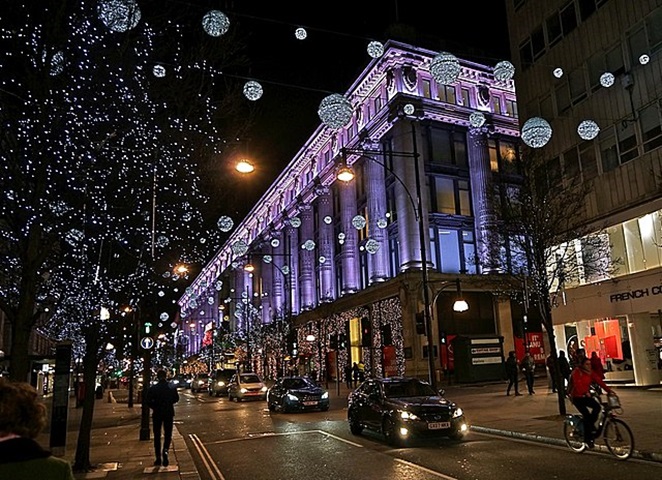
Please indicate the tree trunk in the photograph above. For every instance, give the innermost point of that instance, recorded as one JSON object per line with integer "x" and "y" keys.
{"x": 90, "y": 361}
{"x": 549, "y": 326}
{"x": 19, "y": 365}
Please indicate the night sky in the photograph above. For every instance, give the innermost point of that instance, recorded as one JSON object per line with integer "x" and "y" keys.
{"x": 297, "y": 74}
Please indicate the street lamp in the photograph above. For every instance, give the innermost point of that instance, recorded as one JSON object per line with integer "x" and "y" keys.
{"x": 133, "y": 352}
{"x": 345, "y": 174}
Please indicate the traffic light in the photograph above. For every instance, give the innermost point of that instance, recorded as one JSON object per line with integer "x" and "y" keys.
{"x": 420, "y": 323}
{"x": 333, "y": 342}
{"x": 147, "y": 329}
{"x": 342, "y": 341}
{"x": 292, "y": 343}
{"x": 442, "y": 338}
{"x": 366, "y": 332}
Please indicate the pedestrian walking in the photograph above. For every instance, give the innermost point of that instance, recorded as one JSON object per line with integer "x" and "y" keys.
{"x": 348, "y": 375}
{"x": 22, "y": 418}
{"x": 529, "y": 368}
{"x": 355, "y": 374}
{"x": 564, "y": 369}
{"x": 550, "y": 363}
{"x": 161, "y": 398}
{"x": 512, "y": 371}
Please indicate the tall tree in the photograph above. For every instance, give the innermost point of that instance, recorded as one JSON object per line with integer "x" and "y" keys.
{"x": 541, "y": 220}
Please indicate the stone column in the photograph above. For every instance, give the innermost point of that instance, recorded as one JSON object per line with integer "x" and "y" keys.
{"x": 487, "y": 242}
{"x": 349, "y": 258}
{"x": 279, "y": 280}
{"x": 292, "y": 252}
{"x": 307, "y": 259}
{"x": 376, "y": 199}
{"x": 325, "y": 246}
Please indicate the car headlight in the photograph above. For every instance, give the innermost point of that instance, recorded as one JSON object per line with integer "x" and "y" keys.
{"x": 200, "y": 382}
{"x": 243, "y": 390}
{"x": 292, "y": 398}
{"x": 263, "y": 389}
{"x": 175, "y": 382}
{"x": 325, "y": 395}
{"x": 457, "y": 412}
{"x": 405, "y": 415}
{"x": 221, "y": 384}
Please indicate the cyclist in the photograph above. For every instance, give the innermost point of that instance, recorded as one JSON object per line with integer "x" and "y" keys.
{"x": 579, "y": 392}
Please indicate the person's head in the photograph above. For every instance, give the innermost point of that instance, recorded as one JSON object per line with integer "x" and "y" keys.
{"x": 585, "y": 363}
{"x": 21, "y": 411}
{"x": 561, "y": 353}
{"x": 161, "y": 374}
{"x": 594, "y": 354}
{"x": 511, "y": 353}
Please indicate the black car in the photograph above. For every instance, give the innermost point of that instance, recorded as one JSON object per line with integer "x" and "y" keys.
{"x": 219, "y": 384}
{"x": 291, "y": 394}
{"x": 402, "y": 408}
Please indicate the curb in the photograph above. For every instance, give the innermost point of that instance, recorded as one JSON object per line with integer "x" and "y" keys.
{"x": 648, "y": 456}
{"x": 187, "y": 468}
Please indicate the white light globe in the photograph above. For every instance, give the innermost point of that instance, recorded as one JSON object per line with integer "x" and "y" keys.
{"x": 504, "y": 71}
{"x": 335, "y": 111}
{"x": 607, "y": 79}
{"x": 644, "y": 59}
{"x": 215, "y": 23}
{"x": 445, "y": 68}
{"x": 119, "y": 15}
{"x": 536, "y": 132}
{"x": 375, "y": 49}
{"x": 253, "y": 90}
{"x": 558, "y": 72}
{"x": 225, "y": 223}
{"x": 588, "y": 130}
{"x": 159, "y": 71}
{"x": 477, "y": 119}
{"x": 300, "y": 33}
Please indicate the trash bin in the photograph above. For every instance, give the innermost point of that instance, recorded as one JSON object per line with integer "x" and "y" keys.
{"x": 99, "y": 392}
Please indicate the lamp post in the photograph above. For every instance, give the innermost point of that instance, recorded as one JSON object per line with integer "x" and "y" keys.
{"x": 133, "y": 351}
{"x": 345, "y": 174}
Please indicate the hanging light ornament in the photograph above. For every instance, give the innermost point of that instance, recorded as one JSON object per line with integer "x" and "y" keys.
{"x": 164, "y": 317}
{"x": 119, "y": 15}
{"x": 504, "y": 71}
{"x": 372, "y": 246}
{"x": 328, "y": 220}
{"x": 445, "y": 68}
{"x": 57, "y": 64}
{"x": 162, "y": 241}
{"x": 301, "y": 33}
{"x": 267, "y": 259}
{"x": 375, "y": 49}
{"x": 295, "y": 222}
{"x": 335, "y": 111}
{"x": 239, "y": 248}
{"x": 536, "y": 132}
{"x": 477, "y": 119}
{"x": 382, "y": 223}
{"x": 210, "y": 300}
{"x": 322, "y": 259}
{"x": 253, "y": 90}
{"x": 159, "y": 71}
{"x": 409, "y": 109}
{"x": 225, "y": 223}
{"x": 588, "y": 130}
{"x": 558, "y": 72}
{"x": 644, "y": 59}
{"x": 215, "y": 23}
{"x": 358, "y": 222}
{"x": 161, "y": 293}
{"x": 219, "y": 285}
{"x": 275, "y": 242}
{"x": 309, "y": 245}
{"x": 607, "y": 79}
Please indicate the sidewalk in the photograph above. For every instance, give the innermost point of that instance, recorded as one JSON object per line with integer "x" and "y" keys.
{"x": 117, "y": 452}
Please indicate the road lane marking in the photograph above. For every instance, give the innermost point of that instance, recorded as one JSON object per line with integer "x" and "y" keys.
{"x": 256, "y": 436}
{"x": 206, "y": 458}
{"x": 427, "y": 470}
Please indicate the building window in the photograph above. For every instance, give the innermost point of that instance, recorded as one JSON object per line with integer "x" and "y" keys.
{"x": 571, "y": 168}
{"x": 394, "y": 257}
{"x": 586, "y": 9}
{"x": 637, "y": 44}
{"x": 654, "y": 29}
{"x": 568, "y": 18}
{"x": 649, "y": 121}
{"x": 465, "y": 97}
{"x": 577, "y": 86}
{"x": 453, "y": 250}
{"x": 588, "y": 160}
{"x": 562, "y": 98}
{"x": 447, "y": 94}
{"x": 496, "y": 104}
{"x": 554, "y": 31}
{"x": 426, "y": 88}
{"x": 608, "y": 151}
{"x": 511, "y": 108}
{"x": 450, "y": 196}
{"x": 627, "y": 142}
{"x": 538, "y": 43}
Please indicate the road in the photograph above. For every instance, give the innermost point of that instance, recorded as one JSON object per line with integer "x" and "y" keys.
{"x": 232, "y": 441}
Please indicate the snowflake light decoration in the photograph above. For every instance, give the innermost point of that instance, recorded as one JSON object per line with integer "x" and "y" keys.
{"x": 504, "y": 71}
{"x": 445, "y": 68}
{"x": 607, "y": 79}
{"x": 558, "y": 72}
{"x": 119, "y": 15}
{"x": 215, "y": 23}
{"x": 588, "y": 130}
{"x": 239, "y": 248}
{"x": 275, "y": 242}
{"x": 375, "y": 49}
{"x": 536, "y": 132}
{"x": 301, "y": 33}
{"x": 295, "y": 222}
{"x": 335, "y": 111}
{"x": 164, "y": 317}
{"x": 308, "y": 245}
{"x": 644, "y": 59}
{"x": 159, "y": 71}
{"x": 253, "y": 90}
{"x": 225, "y": 224}
{"x": 322, "y": 259}
{"x": 382, "y": 223}
{"x": 372, "y": 246}
{"x": 477, "y": 119}
{"x": 328, "y": 220}
{"x": 358, "y": 222}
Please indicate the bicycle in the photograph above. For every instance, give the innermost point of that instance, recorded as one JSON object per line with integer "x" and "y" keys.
{"x": 616, "y": 433}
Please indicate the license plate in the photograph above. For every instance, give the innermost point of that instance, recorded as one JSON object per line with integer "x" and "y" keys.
{"x": 438, "y": 425}
{"x": 309, "y": 404}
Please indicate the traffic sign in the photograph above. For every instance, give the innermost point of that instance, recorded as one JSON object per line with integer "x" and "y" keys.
{"x": 147, "y": 343}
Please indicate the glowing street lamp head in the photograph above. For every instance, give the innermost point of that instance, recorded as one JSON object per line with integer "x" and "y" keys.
{"x": 249, "y": 267}
{"x": 345, "y": 174}
{"x": 244, "y": 166}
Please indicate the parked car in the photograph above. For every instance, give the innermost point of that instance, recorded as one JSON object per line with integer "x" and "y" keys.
{"x": 200, "y": 382}
{"x": 297, "y": 394}
{"x": 245, "y": 386}
{"x": 219, "y": 384}
{"x": 402, "y": 408}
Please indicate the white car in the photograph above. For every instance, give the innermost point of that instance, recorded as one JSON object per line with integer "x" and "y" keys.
{"x": 244, "y": 386}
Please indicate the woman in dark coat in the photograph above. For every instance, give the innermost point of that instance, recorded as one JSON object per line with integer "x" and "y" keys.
{"x": 22, "y": 417}
{"x": 512, "y": 371}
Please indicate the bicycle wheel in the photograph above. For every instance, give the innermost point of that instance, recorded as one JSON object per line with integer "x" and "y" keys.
{"x": 573, "y": 437}
{"x": 618, "y": 438}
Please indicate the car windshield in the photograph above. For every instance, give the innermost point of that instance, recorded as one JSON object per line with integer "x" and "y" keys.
{"x": 408, "y": 389}
{"x": 295, "y": 383}
{"x": 250, "y": 379}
